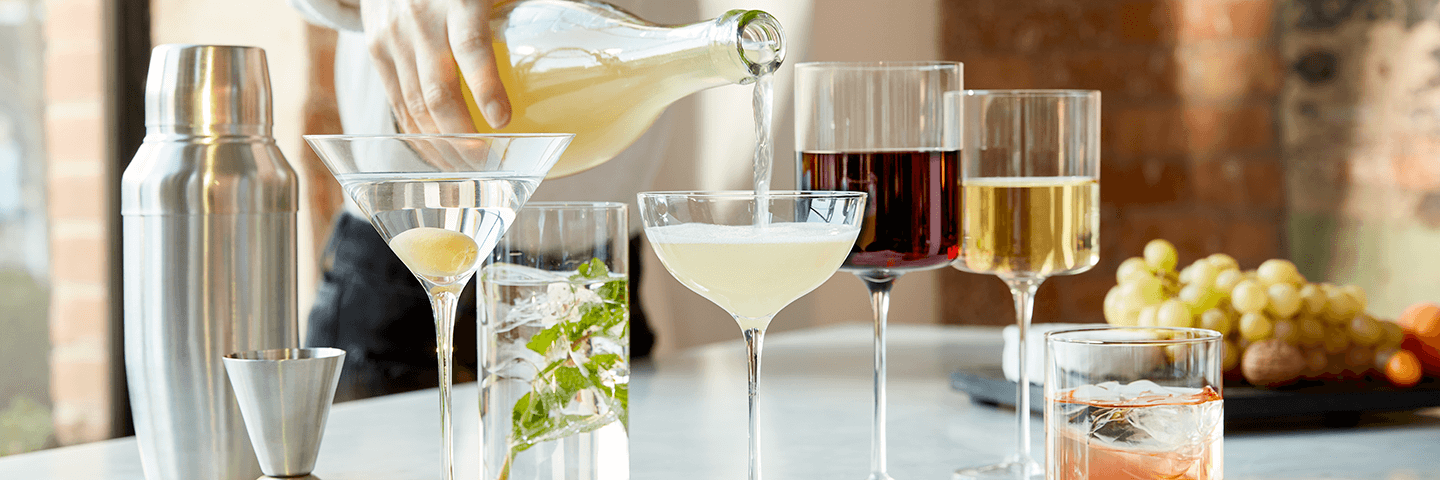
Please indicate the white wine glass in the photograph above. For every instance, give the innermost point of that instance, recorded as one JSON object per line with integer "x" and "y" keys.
{"x": 1031, "y": 210}
{"x": 752, "y": 255}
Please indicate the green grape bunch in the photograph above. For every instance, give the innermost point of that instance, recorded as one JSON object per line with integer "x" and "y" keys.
{"x": 1273, "y": 301}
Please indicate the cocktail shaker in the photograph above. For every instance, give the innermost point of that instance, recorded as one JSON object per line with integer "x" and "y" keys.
{"x": 208, "y": 206}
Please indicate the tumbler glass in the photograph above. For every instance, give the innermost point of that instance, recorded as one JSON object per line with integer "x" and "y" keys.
{"x": 554, "y": 345}
{"x": 1134, "y": 402}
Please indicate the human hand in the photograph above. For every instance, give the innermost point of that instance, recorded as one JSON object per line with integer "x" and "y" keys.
{"x": 417, "y": 46}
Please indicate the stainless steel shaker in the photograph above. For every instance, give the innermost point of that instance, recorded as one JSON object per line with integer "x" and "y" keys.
{"x": 208, "y": 206}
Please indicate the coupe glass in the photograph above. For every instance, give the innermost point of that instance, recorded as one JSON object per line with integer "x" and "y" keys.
{"x": 441, "y": 202}
{"x": 752, "y": 255}
{"x": 1031, "y": 187}
{"x": 881, "y": 128}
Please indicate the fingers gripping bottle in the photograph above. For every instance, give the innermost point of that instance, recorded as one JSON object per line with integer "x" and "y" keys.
{"x": 597, "y": 71}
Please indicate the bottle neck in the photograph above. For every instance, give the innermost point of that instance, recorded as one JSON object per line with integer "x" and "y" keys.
{"x": 747, "y": 44}
{"x": 733, "y": 49}
{"x": 555, "y": 44}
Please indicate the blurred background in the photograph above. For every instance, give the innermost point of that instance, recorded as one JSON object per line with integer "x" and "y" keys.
{"x": 1304, "y": 129}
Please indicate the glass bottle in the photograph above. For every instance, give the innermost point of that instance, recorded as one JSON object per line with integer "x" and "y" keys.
{"x": 592, "y": 69}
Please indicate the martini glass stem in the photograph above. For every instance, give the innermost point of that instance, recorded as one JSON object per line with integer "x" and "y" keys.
{"x": 754, "y": 337}
{"x": 1023, "y": 291}
{"x": 444, "y": 302}
{"x": 879, "y": 284}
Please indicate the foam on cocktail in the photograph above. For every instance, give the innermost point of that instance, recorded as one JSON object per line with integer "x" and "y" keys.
{"x": 790, "y": 232}
{"x": 752, "y": 271}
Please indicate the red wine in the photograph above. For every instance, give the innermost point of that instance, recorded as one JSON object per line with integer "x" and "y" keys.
{"x": 912, "y": 215}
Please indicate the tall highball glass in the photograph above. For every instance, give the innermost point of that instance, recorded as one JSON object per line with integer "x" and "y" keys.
{"x": 555, "y": 346}
{"x": 881, "y": 128}
{"x": 1031, "y": 187}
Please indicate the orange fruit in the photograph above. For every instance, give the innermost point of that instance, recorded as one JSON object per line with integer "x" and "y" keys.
{"x": 1428, "y": 356}
{"x": 1403, "y": 369}
{"x": 1422, "y": 320}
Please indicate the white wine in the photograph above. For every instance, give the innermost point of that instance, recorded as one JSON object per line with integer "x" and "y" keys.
{"x": 1030, "y": 226}
{"x": 751, "y": 271}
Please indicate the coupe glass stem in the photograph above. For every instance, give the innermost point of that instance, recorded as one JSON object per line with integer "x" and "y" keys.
{"x": 753, "y": 339}
{"x": 443, "y": 302}
{"x": 879, "y": 284}
{"x": 1023, "y": 290}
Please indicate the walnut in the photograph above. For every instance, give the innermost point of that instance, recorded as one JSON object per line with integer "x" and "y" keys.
{"x": 1272, "y": 363}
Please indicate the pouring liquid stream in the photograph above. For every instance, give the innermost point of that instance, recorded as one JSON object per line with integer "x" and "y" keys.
{"x": 764, "y": 107}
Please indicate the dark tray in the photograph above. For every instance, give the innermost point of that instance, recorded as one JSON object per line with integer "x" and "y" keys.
{"x": 1336, "y": 403}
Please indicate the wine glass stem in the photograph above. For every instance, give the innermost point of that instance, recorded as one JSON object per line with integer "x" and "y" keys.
{"x": 879, "y": 284}
{"x": 1023, "y": 291}
{"x": 753, "y": 340}
{"x": 444, "y": 303}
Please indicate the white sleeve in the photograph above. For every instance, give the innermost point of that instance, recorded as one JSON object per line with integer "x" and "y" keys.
{"x": 343, "y": 15}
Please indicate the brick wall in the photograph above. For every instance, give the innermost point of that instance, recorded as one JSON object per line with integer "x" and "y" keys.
{"x": 1360, "y": 109}
{"x": 321, "y": 115}
{"x": 1189, "y": 140}
{"x": 79, "y": 176}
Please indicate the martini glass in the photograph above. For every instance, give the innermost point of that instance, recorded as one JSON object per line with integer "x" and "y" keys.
{"x": 752, "y": 255}
{"x": 441, "y": 202}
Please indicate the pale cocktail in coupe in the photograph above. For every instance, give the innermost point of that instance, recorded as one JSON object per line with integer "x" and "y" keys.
{"x": 752, "y": 253}
{"x": 752, "y": 271}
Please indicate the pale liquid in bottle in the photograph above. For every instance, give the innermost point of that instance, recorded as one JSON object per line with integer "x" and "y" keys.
{"x": 605, "y": 109}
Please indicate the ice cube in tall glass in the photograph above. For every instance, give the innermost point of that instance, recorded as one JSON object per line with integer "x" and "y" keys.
{"x": 554, "y": 345}
{"x": 557, "y": 374}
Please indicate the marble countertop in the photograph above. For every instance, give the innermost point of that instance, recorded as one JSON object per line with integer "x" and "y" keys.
{"x": 688, "y": 420}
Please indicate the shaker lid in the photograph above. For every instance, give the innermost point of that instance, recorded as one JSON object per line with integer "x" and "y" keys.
{"x": 204, "y": 86}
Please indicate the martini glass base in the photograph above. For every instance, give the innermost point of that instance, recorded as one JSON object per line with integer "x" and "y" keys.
{"x": 1009, "y": 470}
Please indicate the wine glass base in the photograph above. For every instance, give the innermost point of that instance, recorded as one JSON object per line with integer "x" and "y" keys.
{"x": 879, "y": 476}
{"x": 1002, "y": 471}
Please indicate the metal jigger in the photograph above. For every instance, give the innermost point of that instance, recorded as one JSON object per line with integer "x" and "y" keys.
{"x": 285, "y": 397}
